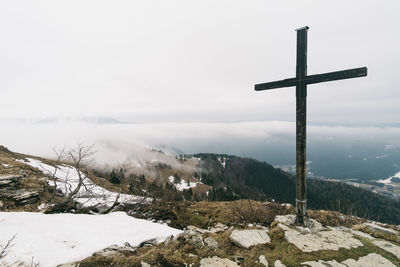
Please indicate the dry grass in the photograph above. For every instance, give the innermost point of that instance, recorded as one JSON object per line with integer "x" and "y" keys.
{"x": 334, "y": 218}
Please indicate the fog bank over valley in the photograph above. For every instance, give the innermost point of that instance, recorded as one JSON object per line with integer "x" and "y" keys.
{"x": 333, "y": 152}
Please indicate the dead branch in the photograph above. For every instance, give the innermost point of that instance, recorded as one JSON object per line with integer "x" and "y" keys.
{"x": 4, "y": 249}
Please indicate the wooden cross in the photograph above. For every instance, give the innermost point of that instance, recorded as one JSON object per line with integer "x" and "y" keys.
{"x": 301, "y": 81}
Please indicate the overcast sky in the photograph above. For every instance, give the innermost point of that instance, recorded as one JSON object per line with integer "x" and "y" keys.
{"x": 196, "y": 61}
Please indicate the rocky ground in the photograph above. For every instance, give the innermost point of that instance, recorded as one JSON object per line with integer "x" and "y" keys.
{"x": 280, "y": 244}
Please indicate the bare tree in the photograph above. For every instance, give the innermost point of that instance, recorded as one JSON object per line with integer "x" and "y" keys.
{"x": 80, "y": 156}
{"x": 4, "y": 249}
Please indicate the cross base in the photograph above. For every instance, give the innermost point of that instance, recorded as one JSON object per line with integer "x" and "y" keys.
{"x": 301, "y": 213}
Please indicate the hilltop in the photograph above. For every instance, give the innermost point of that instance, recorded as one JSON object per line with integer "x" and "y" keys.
{"x": 219, "y": 209}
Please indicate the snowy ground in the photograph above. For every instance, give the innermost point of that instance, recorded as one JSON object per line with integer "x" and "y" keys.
{"x": 388, "y": 180}
{"x": 89, "y": 194}
{"x": 61, "y": 238}
{"x": 183, "y": 185}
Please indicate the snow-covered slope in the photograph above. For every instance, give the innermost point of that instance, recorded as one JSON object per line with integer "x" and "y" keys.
{"x": 89, "y": 194}
{"x": 61, "y": 238}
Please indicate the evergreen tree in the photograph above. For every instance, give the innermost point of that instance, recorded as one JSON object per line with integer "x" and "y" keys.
{"x": 114, "y": 178}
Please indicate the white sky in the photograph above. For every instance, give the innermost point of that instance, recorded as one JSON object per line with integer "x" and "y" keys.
{"x": 196, "y": 61}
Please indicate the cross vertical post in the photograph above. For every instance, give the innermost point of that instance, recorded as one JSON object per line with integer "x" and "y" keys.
{"x": 301, "y": 123}
{"x": 301, "y": 81}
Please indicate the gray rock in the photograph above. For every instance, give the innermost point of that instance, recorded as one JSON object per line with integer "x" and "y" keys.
{"x": 263, "y": 260}
{"x": 362, "y": 234}
{"x": 10, "y": 180}
{"x": 278, "y": 263}
{"x": 217, "y": 262}
{"x": 376, "y": 228}
{"x": 219, "y": 227}
{"x": 144, "y": 264}
{"x": 248, "y": 238}
{"x": 1, "y": 204}
{"x": 197, "y": 229}
{"x": 211, "y": 242}
{"x": 371, "y": 260}
{"x": 148, "y": 243}
{"x": 71, "y": 264}
{"x": 21, "y": 196}
{"x": 392, "y": 248}
{"x": 193, "y": 238}
{"x": 114, "y": 250}
{"x": 331, "y": 239}
{"x": 285, "y": 219}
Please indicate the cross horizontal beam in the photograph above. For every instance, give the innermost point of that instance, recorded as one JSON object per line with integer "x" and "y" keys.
{"x": 316, "y": 78}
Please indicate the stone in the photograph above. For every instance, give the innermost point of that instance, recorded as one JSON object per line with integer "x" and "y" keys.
{"x": 370, "y": 260}
{"x": 331, "y": 239}
{"x": 114, "y": 250}
{"x": 211, "y": 242}
{"x": 10, "y": 180}
{"x": 322, "y": 263}
{"x": 71, "y": 264}
{"x": 1, "y": 204}
{"x": 193, "y": 238}
{"x": 144, "y": 264}
{"x": 263, "y": 260}
{"x": 248, "y": 238}
{"x": 219, "y": 227}
{"x": 148, "y": 243}
{"x": 278, "y": 263}
{"x": 197, "y": 229}
{"x": 22, "y": 196}
{"x": 376, "y": 228}
{"x": 290, "y": 219}
{"x": 389, "y": 247}
{"x": 285, "y": 219}
{"x": 362, "y": 234}
{"x": 217, "y": 262}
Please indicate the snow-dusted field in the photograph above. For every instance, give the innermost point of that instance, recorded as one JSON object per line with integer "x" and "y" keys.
{"x": 60, "y": 238}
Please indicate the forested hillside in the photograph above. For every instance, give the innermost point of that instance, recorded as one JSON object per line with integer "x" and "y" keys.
{"x": 235, "y": 177}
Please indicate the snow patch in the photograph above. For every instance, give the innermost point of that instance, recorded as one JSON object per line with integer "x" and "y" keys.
{"x": 183, "y": 185}
{"x": 389, "y": 180}
{"x": 89, "y": 194}
{"x": 222, "y": 160}
{"x": 53, "y": 239}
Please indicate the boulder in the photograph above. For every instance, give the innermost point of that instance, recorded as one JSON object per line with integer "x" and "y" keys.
{"x": 370, "y": 260}
{"x": 362, "y": 234}
{"x": 376, "y": 228}
{"x": 263, "y": 260}
{"x": 148, "y": 243}
{"x": 22, "y": 196}
{"x": 217, "y": 262}
{"x": 211, "y": 242}
{"x": 114, "y": 250}
{"x": 219, "y": 227}
{"x": 389, "y": 247}
{"x": 248, "y": 238}
{"x": 10, "y": 180}
{"x": 193, "y": 238}
{"x": 144, "y": 264}
{"x": 278, "y": 263}
{"x": 331, "y": 239}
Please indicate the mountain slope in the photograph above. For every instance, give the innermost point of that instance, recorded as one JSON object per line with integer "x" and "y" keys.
{"x": 250, "y": 178}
